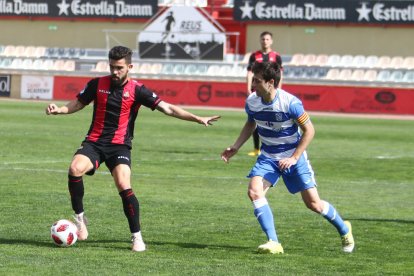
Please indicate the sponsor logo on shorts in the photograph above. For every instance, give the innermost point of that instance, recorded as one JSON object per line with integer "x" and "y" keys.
{"x": 123, "y": 157}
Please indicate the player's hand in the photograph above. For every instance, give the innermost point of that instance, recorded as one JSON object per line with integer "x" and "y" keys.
{"x": 286, "y": 163}
{"x": 228, "y": 153}
{"x": 52, "y": 109}
{"x": 208, "y": 121}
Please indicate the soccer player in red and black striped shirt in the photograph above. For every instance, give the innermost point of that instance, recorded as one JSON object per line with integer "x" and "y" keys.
{"x": 117, "y": 99}
{"x": 265, "y": 54}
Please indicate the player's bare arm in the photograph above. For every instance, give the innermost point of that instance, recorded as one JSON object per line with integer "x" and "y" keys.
{"x": 249, "y": 81}
{"x": 308, "y": 132}
{"x": 70, "y": 107}
{"x": 178, "y": 112}
{"x": 245, "y": 134}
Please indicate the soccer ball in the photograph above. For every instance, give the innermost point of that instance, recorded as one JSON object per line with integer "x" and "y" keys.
{"x": 64, "y": 233}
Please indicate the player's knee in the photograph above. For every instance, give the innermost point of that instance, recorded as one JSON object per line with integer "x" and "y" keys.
{"x": 253, "y": 194}
{"x": 314, "y": 206}
{"x": 76, "y": 170}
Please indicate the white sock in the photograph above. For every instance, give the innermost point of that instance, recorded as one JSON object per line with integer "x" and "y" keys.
{"x": 137, "y": 235}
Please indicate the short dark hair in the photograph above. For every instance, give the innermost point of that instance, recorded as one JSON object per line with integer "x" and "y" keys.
{"x": 268, "y": 70}
{"x": 266, "y": 33}
{"x": 120, "y": 52}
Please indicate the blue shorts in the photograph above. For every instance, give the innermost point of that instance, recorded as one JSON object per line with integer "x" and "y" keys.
{"x": 297, "y": 178}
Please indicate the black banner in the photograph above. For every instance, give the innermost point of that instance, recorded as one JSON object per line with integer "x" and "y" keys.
{"x": 328, "y": 11}
{"x": 5, "y": 85}
{"x": 79, "y": 8}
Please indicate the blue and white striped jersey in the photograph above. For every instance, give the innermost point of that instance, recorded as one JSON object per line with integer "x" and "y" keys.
{"x": 277, "y": 123}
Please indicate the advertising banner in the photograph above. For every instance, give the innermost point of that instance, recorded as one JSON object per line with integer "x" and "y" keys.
{"x": 182, "y": 33}
{"x": 66, "y": 88}
{"x": 37, "y": 87}
{"x": 346, "y": 99}
{"x": 351, "y": 11}
{"x": 79, "y": 8}
{"x": 5, "y": 81}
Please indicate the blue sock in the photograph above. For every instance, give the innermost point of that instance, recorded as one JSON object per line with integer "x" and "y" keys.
{"x": 264, "y": 215}
{"x": 331, "y": 215}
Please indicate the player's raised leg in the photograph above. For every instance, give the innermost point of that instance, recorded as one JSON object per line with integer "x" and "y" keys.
{"x": 79, "y": 166}
{"x": 313, "y": 202}
{"x": 122, "y": 174}
{"x": 256, "y": 192}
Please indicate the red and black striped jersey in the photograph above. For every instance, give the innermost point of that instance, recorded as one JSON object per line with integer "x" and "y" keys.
{"x": 115, "y": 109}
{"x": 259, "y": 56}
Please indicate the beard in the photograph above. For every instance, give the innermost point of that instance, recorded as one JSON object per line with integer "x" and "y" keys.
{"x": 118, "y": 81}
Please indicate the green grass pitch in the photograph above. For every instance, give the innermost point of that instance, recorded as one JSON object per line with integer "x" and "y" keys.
{"x": 196, "y": 217}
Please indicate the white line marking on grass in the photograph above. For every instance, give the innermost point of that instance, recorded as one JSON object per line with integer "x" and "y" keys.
{"x": 387, "y": 157}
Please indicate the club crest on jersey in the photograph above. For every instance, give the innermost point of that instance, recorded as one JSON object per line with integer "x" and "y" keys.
{"x": 126, "y": 94}
{"x": 278, "y": 117}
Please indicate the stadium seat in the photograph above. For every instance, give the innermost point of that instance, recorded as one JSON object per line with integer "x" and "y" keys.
{"x": 167, "y": 69}
{"x": 213, "y": 70}
{"x": 9, "y": 51}
{"x": 345, "y": 75}
{"x": 70, "y": 65}
{"x": 358, "y": 61}
{"x": 332, "y": 74}
{"x": 383, "y": 76}
{"x": 357, "y": 75}
{"x": 371, "y": 61}
{"x": 346, "y": 61}
{"x": 52, "y": 52}
{"x": 17, "y": 63}
{"x": 19, "y": 51}
{"x": 40, "y": 51}
{"x": 308, "y": 60}
{"x": 101, "y": 66}
{"x": 297, "y": 72}
{"x": 144, "y": 68}
{"x": 202, "y": 68}
{"x": 238, "y": 71}
{"x": 59, "y": 65}
{"x": 397, "y": 76}
{"x": 370, "y": 75}
{"x": 408, "y": 63}
{"x": 190, "y": 69}
{"x": 5, "y": 63}
{"x": 333, "y": 60}
{"x": 27, "y": 64}
{"x": 37, "y": 64}
{"x": 309, "y": 73}
{"x": 384, "y": 62}
{"x": 296, "y": 60}
{"x": 225, "y": 71}
{"x": 408, "y": 77}
{"x": 30, "y": 51}
{"x": 73, "y": 53}
{"x": 178, "y": 69}
{"x": 396, "y": 62}
{"x": 156, "y": 68}
{"x": 321, "y": 60}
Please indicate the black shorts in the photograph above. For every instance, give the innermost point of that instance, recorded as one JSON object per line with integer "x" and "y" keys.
{"x": 112, "y": 155}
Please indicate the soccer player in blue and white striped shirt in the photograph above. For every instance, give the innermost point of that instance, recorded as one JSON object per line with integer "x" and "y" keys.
{"x": 285, "y": 130}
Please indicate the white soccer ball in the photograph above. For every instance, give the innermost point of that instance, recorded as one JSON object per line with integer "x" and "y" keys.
{"x": 64, "y": 233}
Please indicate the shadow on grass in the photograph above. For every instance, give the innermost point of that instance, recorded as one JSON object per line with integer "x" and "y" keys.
{"x": 120, "y": 244}
{"x": 382, "y": 220}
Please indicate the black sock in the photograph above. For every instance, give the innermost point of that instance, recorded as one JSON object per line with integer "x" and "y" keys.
{"x": 75, "y": 185}
{"x": 131, "y": 209}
